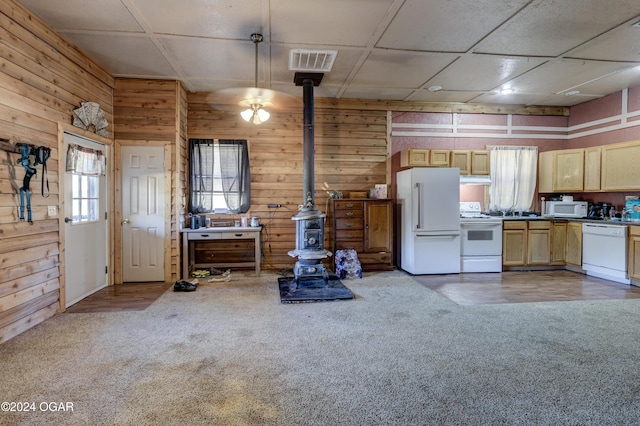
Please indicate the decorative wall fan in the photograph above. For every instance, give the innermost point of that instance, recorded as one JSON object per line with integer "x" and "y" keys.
{"x": 91, "y": 117}
{"x": 254, "y": 100}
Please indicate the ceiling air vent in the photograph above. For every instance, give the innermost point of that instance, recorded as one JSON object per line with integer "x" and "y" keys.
{"x": 311, "y": 60}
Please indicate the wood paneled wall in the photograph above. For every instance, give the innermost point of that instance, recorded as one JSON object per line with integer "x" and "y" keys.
{"x": 351, "y": 153}
{"x": 42, "y": 79}
{"x": 151, "y": 112}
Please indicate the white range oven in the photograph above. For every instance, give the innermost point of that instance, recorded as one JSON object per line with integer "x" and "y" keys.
{"x": 481, "y": 240}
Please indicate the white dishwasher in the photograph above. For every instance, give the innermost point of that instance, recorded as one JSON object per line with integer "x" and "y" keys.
{"x": 604, "y": 251}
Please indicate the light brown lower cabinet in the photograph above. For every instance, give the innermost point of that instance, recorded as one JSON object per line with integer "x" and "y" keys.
{"x": 533, "y": 243}
{"x": 573, "y": 254}
{"x": 634, "y": 253}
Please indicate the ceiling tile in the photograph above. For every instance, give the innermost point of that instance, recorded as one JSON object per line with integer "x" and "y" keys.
{"x": 356, "y": 92}
{"x": 85, "y": 14}
{"x": 563, "y": 75}
{"x": 488, "y": 73}
{"x": 339, "y": 22}
{"x": 124, "y": 55}
{"x": 550, "y": 28}
{"x": 399, "y": 69}
{"x": 443, "y": 96}
{"x": 204, "y": 18}
{"x": 620, "y": 45}
{"x": 448, "y": 26}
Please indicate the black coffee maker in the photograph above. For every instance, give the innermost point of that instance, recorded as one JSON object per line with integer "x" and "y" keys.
{"x": 599, "y": 210}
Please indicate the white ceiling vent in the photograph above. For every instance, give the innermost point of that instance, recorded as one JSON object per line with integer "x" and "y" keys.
{"x": 311, "y": 60}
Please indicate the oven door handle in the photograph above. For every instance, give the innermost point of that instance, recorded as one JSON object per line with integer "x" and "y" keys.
{"x": 480, "y": 224}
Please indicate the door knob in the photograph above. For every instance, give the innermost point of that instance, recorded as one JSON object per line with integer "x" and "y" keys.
{"x": 125, "y": 221}
{"x": 68, "y": 220}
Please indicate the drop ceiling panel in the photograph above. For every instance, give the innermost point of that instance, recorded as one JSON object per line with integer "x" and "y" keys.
{"x": 212, "y": 58}
{"x": 443, "y": 96}
{"x": 85, "y": 14}
{"x": 220, "y": 18}
{"x": 399, "y": 69}
{"x": 453, "y": 26}
{"x": 338, "y": 22}
{"x": 375, "y": 93}
{"x": 488, "y": 72}
{"x": 620, "y": 45}
{"x": 124, "y": 55}
{"x": 550, "y": 28}
{"x": 563, "y": 75}
{"x": 614, "y": 82}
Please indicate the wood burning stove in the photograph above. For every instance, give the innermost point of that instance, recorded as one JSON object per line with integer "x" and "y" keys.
{"x": 309, "y": 221}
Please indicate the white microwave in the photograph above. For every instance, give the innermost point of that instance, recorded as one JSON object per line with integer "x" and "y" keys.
{"x": 567, "y": 208}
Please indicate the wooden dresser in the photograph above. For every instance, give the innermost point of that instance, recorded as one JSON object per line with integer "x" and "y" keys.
{"x": 365, "y": 225}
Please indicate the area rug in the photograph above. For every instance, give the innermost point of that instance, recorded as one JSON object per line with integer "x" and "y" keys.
{"x": 312, "y": 289}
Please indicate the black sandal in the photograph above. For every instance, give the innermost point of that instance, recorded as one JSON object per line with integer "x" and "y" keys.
{"x": 184, "y": 286}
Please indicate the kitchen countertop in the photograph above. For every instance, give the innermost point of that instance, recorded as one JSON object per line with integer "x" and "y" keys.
{"x": 573, "y": 219}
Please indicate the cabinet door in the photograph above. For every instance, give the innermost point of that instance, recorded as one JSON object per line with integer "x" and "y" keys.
{"x": 439, "y": 157}
{"x": 480, "y": 163}
{"x": 539, "y": 243}
{"x": 558, "y": 242}
{"x": 634, "y": 252}
{"x": 592, "y": 169}
{"x": 545, "y": 171}
{"x": 414, "y": 157}
{"x": 568, "y": 170}
{"x": 461, "y": 160}
{"x": 620, "y": 171}
{"x": 573, "y": 254}
{"x": 377, "y": 224}
{"x": 514, "y": 243}
{"x": 539, "y": 247}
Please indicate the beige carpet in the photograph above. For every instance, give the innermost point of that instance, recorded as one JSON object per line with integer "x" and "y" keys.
{"x": 399, "y": 354}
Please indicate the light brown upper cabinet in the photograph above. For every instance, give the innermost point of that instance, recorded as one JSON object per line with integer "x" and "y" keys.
{"x": 592, "y": 168}
{"x": 620, "y": 171}
{"x": 461, "y": 160}
{"x": 480, "y": 163}
{"x": 561, "y": 171}
{"x": 439, "y": 157}
{"x": 414, "y": 157}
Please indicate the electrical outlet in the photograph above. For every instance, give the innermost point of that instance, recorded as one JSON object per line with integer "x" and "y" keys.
{"x": 274, "y": 206}
{"x": 52, "y": 211}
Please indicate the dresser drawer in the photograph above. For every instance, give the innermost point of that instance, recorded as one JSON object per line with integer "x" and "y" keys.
{"x": 375, "y": 261}
{"x": 347, "y": 244}
{"x": 204, "y": 235}
{"x": 347, "y": 224}
{"x": 345, "y": 205}
{"x": 237, "y": 235}
{"x": 349, "y": 213}
{"x": 350, "y": 234}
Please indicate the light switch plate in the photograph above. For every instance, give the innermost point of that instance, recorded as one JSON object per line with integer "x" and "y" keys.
{"x": 52, "y": 211}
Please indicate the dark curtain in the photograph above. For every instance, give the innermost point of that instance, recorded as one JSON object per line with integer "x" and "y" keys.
{"x": 236, "y": 176}
{"x": 233, "y": 178}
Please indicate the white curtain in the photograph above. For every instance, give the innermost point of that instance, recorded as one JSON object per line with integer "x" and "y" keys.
{"x": 85, "y": 161}
{"x": 513, "y": 177}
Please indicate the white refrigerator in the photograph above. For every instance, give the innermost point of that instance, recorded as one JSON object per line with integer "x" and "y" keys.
{"x": 428, "y": 200}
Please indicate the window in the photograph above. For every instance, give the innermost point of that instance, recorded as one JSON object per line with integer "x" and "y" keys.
{"x": 513, "y": 177}
{"x": 219, "y": 175}
{"x": 84, "y": 198}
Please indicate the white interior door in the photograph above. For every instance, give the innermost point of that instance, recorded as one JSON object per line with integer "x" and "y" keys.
{"x": 85, "y": 228}
{"x": 143, "y": 213}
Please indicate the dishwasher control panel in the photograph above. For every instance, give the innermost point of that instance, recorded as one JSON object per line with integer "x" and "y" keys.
{"x": 611, "y": 230}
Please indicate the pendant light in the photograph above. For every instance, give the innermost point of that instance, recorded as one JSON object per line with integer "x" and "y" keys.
{"x": 256, "y": 113}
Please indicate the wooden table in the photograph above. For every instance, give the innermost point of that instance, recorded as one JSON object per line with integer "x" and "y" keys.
{"x": 191, "y": 236}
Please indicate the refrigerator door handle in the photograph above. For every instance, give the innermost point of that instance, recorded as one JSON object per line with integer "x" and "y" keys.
{"x": 418, "y": 186}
